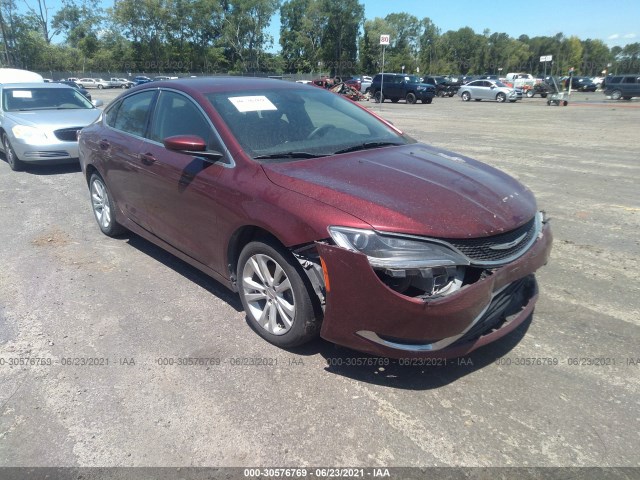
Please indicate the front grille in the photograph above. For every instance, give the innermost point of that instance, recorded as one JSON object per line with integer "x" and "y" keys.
{"x": 67, "y": 134}
{"x": 505, "y": 304}
{"x": 480, "y": 249}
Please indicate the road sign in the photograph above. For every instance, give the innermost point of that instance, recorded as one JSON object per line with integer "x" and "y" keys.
{"x": 385, "y": 39}
{"x": 546, "y": 58}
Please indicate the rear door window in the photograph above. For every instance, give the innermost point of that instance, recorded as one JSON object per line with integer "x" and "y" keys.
{"x": 133, "y": 113}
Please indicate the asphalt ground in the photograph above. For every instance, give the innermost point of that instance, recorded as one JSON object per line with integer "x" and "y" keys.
{"x": 563, "y": 390}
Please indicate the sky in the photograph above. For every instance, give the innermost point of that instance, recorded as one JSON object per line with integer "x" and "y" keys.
{"x": 615, "y": 22}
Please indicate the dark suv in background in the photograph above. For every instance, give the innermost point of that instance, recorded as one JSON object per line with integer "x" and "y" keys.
{"x": 444, "y": 88}
{"x": 622, "y": 86}
{"x": 397, "y": 85}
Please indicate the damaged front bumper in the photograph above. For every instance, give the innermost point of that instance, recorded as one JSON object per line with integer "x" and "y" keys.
{"x": 364, "y": 314}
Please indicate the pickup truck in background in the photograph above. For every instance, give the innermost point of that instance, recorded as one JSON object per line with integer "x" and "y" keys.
{"x": 523, "y": 81}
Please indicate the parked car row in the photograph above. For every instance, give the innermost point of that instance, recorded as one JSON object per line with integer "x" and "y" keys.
{"x": 326, "y": 219}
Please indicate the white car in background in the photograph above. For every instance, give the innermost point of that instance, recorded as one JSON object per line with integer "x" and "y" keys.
{"x": 488, "y": 90}
{"x": 93, "y": 83}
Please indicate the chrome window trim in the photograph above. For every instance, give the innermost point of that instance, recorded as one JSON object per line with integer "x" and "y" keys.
{"x": 229, "y": 161}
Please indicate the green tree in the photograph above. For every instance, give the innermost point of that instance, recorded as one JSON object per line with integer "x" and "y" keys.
{"x": 340, "y": 35}
{"x": 300, "y": 36}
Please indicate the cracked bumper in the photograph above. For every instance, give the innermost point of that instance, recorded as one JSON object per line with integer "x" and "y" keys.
{"x": 364, "y": 314}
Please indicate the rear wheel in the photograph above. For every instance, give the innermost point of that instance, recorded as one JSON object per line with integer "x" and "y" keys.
{"x": 530, "y": 93}
{"x": 501, "y": 97}
{"x": 275, "y": 296}
{"x": 411, "y": 98}
{"x": 12, "y": 159}
{"x": 466, "y": 96}
{"x": 104, "y": 207}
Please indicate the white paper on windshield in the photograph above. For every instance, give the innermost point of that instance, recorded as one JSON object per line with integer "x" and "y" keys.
{"x": 21, "y": 93}
{"x": 252, "y": 104}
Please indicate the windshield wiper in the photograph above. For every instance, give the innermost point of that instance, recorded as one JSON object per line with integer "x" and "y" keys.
{"x": 367, "y": 146}
{"x": 288, "y": 155}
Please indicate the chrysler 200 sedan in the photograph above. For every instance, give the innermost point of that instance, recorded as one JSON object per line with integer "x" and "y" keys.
{"x": 325, "y": 218}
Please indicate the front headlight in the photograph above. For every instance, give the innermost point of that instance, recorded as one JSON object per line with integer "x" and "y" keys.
{"x": 30, "y": 135}
{"x": 391, "y": 252}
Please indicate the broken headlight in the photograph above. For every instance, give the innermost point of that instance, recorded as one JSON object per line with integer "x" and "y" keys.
{"x": 407, "y": 265}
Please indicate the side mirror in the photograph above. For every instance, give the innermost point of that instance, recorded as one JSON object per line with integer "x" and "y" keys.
{"x": 97, "y": 103}
{"x": 191, "y": 145}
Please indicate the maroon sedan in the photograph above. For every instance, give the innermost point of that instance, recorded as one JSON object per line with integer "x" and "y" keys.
{"x": 325, "y": 218}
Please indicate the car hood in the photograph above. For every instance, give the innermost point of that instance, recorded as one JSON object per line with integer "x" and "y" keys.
{"x": 413, "y": 189}
{"x": 55, "y": 119}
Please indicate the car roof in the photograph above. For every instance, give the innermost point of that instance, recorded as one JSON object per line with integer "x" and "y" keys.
{"x": 221, "y": 84}
{"x": 34, "y": 85}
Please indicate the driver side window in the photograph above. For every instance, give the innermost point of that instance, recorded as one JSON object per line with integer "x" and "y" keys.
{"x": 175, "y": 114}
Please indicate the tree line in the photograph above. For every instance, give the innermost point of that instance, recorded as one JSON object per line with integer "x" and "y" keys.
{"x": 316, "y": 36}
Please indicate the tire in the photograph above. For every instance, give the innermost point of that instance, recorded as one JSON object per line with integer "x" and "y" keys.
{"x": 103, "y": 207}
{"x": 99, "y": 87}
{"x": 441, "y": 93}
{"x": 549, "y": 102}
{"x": 411, "y": 98}
{"x": 10, "y": 154}
{"x": 501, "y": 97}
{"x": 276, "y": 295}
{"x": 123, "y": 86}
{"x": 530, "y": 93}
{"x": 626, "y": 98}
{"x": 466, "y": 96}
{"x": 477, "y": 99}
{"x": 543, "y": 95}
{"x": 565, "y": 103}
{"x": 427, "y": 100}
{"x": 395, "y": 99}
{"x": 616, "y": 95}
{"x": 378, "y": 97}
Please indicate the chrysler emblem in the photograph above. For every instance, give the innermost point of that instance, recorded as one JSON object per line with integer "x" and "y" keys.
{"x": 508, "y": 245}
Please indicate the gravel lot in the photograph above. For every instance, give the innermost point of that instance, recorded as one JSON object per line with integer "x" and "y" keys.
{"x": 68, "y": 292}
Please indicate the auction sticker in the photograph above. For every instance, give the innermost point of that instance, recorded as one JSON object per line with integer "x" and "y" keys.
{"x": 252, "y": 104}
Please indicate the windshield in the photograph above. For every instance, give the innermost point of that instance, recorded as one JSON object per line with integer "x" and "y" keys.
{"x": 26, "y": 99}
{"x": 292, "y": 123}
{"x": 500, "y": 84}
{"x": 413, "y": 79}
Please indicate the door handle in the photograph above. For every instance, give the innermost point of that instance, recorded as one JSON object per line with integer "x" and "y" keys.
{"x": 147, "y": 159}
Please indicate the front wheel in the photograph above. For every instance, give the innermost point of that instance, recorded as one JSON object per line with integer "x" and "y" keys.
{"x": 103, "y": 207}
{"x": 466, "y": 96}
{"x": 12, "y": 159}
{"x": 530, "y": 93}
{"x": 123, "y": 86}
{"x": 616, "y": 95}
{"x": 275, "y": 296}
{"x": 501, "y": 97}
{"x": 411, "y": 98}
{"x": 99, "y": 87}
{"x": 378, "y": 97}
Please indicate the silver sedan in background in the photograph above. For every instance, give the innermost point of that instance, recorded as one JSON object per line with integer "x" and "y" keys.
{"x": 488, "y": 90}
{"x": 39, "y": 122}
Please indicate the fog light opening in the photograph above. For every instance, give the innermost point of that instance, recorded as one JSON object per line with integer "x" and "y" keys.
{"x": 428, "y": 282}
